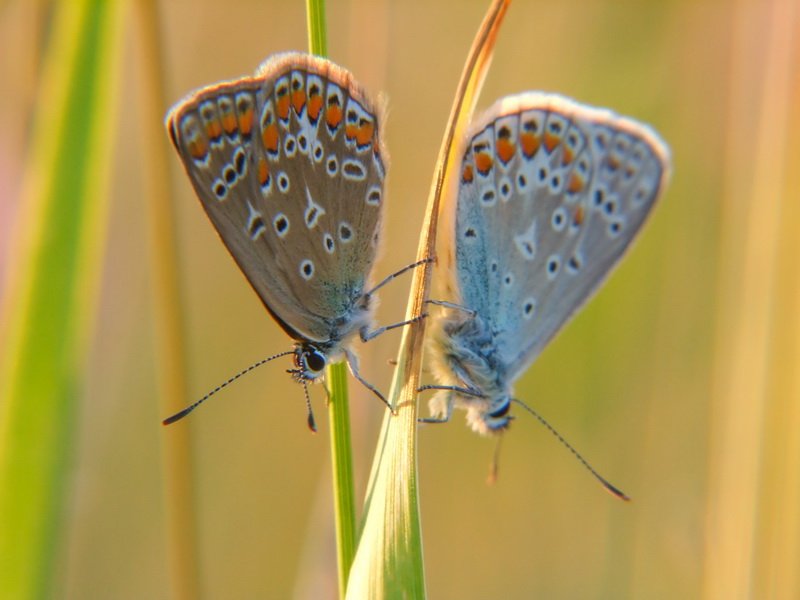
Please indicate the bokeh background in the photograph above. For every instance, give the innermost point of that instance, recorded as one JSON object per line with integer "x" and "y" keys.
{"x": 678, "y": 381}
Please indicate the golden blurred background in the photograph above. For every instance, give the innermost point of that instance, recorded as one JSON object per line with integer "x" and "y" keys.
{"x": 679, "y": 381}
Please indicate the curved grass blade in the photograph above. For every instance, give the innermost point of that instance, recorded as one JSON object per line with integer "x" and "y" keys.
{"x": 388, "y": 562}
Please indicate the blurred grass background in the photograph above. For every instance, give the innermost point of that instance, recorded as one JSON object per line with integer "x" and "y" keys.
{"x": 679, "y": 381}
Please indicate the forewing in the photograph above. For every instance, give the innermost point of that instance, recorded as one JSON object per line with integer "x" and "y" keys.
{"x": 288, "y": 166}
{"x": 551, "y": 194}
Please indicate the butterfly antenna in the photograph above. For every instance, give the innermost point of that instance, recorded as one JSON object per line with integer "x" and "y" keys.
{"x": 178, "y": 416}
{"x": 311, "y": 424}
{"x": 613, "y": 489}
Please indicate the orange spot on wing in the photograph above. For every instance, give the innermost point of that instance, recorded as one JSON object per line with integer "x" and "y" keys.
{"x": 483, "y": 162}
{"x": 283, "y": 104}
{"x": 364, "y": 133}
{"x": 198, "y": 147}
{"x": 298, "y": 100}
{"x": 568, "y": 156}
{"x": 229, "y": 123}
{"x": 333, "y": 116}
{"x": 314, "y": 106}
{"x": 530, "y": 144}
{"x": 246, "y": 121}
{"x": 505, "y": 150}
{"x": 575, "y": 184}
{"x": 577, "y": 216}
{"x": 263, "y": 171}
{"x": 551, "y": 141}
{"x": 213, "y": 128}
{"x": 270, "y": 137}
{"x": 467, "y": 175}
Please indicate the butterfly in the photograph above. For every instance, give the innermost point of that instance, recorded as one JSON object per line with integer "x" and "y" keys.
{"x": 550, "y": 195}
{"x": 290, "y": 166}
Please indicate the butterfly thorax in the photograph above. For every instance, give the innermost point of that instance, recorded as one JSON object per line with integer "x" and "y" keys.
{"x": 465, "y": 356}
{"x": 356, "y": 315}
{"x": 311, "y": 357}
{"x": 355, "y": 312}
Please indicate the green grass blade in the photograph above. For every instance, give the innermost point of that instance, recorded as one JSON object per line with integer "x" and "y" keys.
{"x": 317, "y": 30}
{"x": 169, "y": 332}
{"x": 342, "y": 466}
{"x": 389, "y": 560}
{"x": 52, "y": 290}
{"x": 336, "y": 377}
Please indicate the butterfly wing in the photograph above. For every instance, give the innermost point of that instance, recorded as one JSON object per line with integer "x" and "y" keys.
{"x": 551, "y": 194}
{"x": 289, "y": 167}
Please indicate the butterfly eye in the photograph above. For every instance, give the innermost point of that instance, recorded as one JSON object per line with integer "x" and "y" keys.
{"x": 502, "y": 410}
{"x": 314, "y": 361}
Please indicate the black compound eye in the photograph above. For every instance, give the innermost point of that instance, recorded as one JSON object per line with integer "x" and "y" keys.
{"x": 502, "y": 410}
{"x": 315, "y": 361}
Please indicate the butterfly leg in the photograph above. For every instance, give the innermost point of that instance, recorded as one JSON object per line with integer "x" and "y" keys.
{"x": 452, "y": 305}
{"x": 448, "y": 413}
{"x": 352, "y": 363}
{"x": 419, "y": 263}
{"x": 449, "y": 409}
{"x": 452, "y": 388}
{"x": 368, "y": 335}
{"x": 327, "y": 393}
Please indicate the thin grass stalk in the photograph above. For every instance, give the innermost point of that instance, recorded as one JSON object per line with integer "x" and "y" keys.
{"x": 51, "y": 297}
{"x": 781, "y": 554}
{"x": 389, "y": 560}
{"x": 749, "y": 262}
{"x": 336, "y": 377}
{"x": 170, "y": 333}
{"x": 344, "y": 502}
{"x": 775, "y": 556}
{"x": 317, "y": 27}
